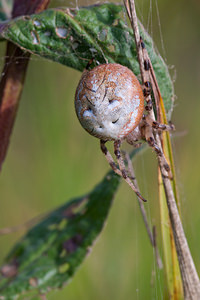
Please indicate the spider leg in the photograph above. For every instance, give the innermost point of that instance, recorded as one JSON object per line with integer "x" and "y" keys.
{"x": 151, "y": 142}
{"x": 109, "y": 158}
{"x": 123, "y": 170}
{"x": 130, "y": 170}
{"x": 149, "y": 105}
{"x": 150, "y": 83}
{"x": 149, "y": 122}
{"x": 156, "y": 125}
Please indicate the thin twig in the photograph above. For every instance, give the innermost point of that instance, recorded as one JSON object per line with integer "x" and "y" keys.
{"x": 190, "y": 279}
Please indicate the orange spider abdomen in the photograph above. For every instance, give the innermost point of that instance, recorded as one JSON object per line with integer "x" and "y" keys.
{"x": 109, "y": 101}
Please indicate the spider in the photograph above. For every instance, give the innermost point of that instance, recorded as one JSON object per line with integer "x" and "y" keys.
{"x": 109, "y": 103}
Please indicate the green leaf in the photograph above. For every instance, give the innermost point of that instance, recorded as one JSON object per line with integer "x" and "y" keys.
{"x": 50, "y": 253}
{"x": 72, "y": 37}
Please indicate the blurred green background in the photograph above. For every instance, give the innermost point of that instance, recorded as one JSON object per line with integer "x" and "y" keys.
{"x": 52, "y": 159}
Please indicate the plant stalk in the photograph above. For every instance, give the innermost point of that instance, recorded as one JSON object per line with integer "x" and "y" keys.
{"x": 13, "y": 76}
{"x": 190, "y": 279}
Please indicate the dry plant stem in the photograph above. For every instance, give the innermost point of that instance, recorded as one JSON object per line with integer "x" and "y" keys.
{"x": 152, "y": 236}
{"x": 191, "y": 283}
{"x": 13, "y": 76}
{"x": 11, "y": 86}
{"x": 190, "y": 279}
